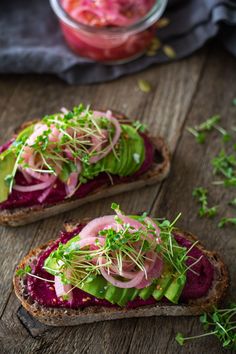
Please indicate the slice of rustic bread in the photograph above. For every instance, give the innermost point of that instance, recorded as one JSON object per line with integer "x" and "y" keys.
{"x": 158, "y": 171}
{"x": 72, "y": 317}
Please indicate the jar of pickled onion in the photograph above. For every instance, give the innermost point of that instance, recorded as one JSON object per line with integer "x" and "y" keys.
{"x": 108, "y": 31}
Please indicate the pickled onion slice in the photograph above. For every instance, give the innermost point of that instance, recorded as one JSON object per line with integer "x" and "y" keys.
{"x": 115, "y": 139}
{"x": 72, "y": 182}
{"x": 96, "y": 225}
{"x": 63, "y": 289}
{"x": 34, "y": 187}
{"x": 44, "y": 195}
{"x": 120, "y": 284}
{"x": 103, "y": 13}
{"x": 154, "y": 272}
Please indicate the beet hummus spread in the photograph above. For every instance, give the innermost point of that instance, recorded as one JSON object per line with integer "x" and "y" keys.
{"x": 19, "y": 199}
{"x": 198, "y": 282}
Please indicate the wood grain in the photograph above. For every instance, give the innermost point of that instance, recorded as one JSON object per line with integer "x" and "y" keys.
{"x": 183, "y": 93}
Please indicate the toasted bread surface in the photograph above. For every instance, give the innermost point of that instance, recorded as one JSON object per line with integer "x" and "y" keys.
{"x": 72, "y": 317}
{"x": 158, "y": 171}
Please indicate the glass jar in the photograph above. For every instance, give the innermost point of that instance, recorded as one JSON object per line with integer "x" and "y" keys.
{"x": 110, "y": 45}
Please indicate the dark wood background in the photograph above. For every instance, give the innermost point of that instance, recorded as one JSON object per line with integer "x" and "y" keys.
{"x": 184, "y": 93}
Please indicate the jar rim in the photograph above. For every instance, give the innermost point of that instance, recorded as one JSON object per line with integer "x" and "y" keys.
{"x": 150, "y": 18}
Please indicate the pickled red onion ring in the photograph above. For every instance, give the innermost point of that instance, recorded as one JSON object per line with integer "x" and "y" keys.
{"x": 63, "y": 289}
{"x": 96, "y": 225}
{"x": 39, "y": 128}
{"x": 39, "y": 176}
{"x": 34, "y": 187}
{"x": 73, "y": 180}
{"x": 135, "y": 224}
{"x": 27, "y": 177}
{"x": 154, "y": 271}
{"x": 120, "y": 284}
{"x": 44, "y": 177}
{"x": 115, "y": 139}
{"x": 90, "y": 241}
{"x": 107, "y": 13}
{"x": 124, "y": 274}
{"x": 44, "y": 195}
{"x": 150, "y": 221}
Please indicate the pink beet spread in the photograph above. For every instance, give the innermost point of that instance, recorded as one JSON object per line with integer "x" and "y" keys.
{"x": 18, "y": 199}
{"x": 43, "y": 292}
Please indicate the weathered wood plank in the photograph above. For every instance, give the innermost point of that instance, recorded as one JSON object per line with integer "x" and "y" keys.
{"x": 40, "y": 95}
{"x": 191, "y": 168}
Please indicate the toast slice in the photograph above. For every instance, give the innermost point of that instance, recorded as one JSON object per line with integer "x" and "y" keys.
{"x": 158, "y": 171}
{"x": 72, "y": 317}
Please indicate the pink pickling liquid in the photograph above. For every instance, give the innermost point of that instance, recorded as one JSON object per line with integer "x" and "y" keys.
{"x": 107, "y": 14}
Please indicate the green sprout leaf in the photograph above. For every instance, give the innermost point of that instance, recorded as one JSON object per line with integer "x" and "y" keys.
{"x": 200, "y": 194}
{"x": 224, "y": 165}
{"x": 226, "y": 221}
{"x": 232, "y": 202}
{"x": 220, "y": 323}
{"x": 200, "y": 131}
{"x": 139, "y": 126}
{"x": 179, "y": 339}
{"x": 23, "y": 271}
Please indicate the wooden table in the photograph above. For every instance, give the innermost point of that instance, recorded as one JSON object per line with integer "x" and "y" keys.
{"x": 184, "y": 93}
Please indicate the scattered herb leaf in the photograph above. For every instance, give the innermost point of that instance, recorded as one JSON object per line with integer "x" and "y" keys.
{"x": 201, "y": 195}
{"x": 199, "y": 131}
{"x": 139, "y": 126}
{"x": 232, "y": 202}
{"x": 225, "y": 166}
{"x": 226, "y": 221}
{"x": 221, "y": 323}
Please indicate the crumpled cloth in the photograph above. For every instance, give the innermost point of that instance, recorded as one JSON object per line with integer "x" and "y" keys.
{"x": 31, "y": 40}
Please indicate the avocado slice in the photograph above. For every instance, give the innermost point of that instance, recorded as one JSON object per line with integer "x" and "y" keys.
{"x": 136, "y": 150}
{"x": 97, "y": 287}
{"x": 51, "y": 265}
{"x": 113, "y": 294}
{"x": 25, "y": 133}
{"x": 126, "y": 296}
{"x": 7, "y": 163}
{"x": 135, "y": 294}
{"x": 175, "y": 289}
{"x": 161, "y": 286}
{"x": 145, "y": 293}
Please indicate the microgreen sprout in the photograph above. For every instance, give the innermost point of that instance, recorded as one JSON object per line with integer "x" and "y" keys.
{"x": 199, "y": 131}
{"x": 221, "y": 323}
{"x": 66, "y": 142}
{"x": 227, "y": 221}
{"x": 234, "y": 102}
{"x": 225, "y": 165}
{"x": 175, "y": 255}
{"x": 139, "y": 126}
{"x": 232, "y": 202}
{"x": 200, "y": 194}
{"x": 23, "y": 271}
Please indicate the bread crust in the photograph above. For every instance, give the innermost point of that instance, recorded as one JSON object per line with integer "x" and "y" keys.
{"x": 158, "y": 171}
{"x": 71, "y": 317}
